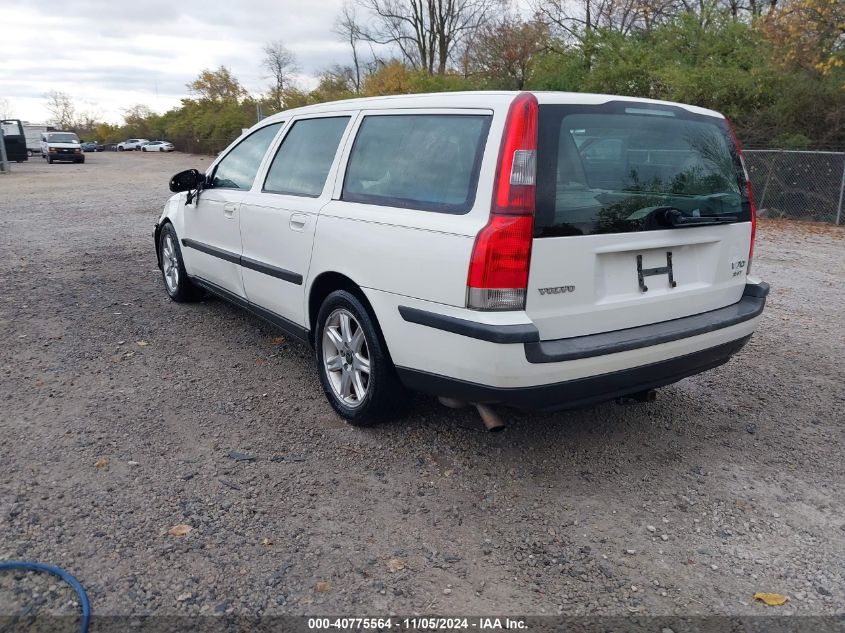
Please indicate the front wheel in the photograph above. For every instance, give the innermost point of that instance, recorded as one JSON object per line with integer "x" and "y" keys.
{"x": 176, "y": 281}
{"x": 29, "y": 153}
{"x": 119, "y": 149}
{"x": 355, "y": 369}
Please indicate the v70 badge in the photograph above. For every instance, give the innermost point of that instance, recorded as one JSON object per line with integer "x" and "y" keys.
{"x": 642, "y": 273}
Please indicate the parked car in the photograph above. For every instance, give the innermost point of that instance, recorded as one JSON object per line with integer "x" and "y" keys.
{"x": 132, "y": 143}
{"x": 92, "y": 146}
{"x": 158, "y": 146}
{"x": 474, "y": 246}
{"x": 61, "y": 146}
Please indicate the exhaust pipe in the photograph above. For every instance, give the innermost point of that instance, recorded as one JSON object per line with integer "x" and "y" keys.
{"x": 492, "y": 420}
{"x": 649, "y": 395}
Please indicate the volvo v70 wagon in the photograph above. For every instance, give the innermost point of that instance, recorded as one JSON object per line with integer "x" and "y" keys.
{"x": 541, "y": 250}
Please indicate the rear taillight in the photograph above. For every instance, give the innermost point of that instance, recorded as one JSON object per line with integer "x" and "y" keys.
{"x": 498, "y": 269}
{"x": 752, "y": 206}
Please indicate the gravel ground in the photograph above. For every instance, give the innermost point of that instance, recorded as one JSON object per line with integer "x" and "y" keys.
{"x": 124, "y": 414}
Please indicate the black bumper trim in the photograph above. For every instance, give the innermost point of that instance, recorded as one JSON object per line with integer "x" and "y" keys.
{"x": 580, "y": 392}
{"x": 246, "y": 262}
{"x": 565, "y": 349}
{"x": 273, "y": 271}
{"x": 520, "y": 333}
{"x": 212, "y": 250}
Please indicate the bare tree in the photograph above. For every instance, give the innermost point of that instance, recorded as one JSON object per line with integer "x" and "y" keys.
{"x": 504, "y": 52}
{"x": 281, "y": 64}
{"x": 427, "y": 33}
{"x": 749, "y": 8}
{"x": 87, "y": 121}
{"x": 61, "y": 108}
{"x": 576, "y": 20}
{"x": 347, "y": 27}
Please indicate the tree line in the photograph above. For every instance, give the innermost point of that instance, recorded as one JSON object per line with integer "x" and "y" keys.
{"x": 775, "y": 67}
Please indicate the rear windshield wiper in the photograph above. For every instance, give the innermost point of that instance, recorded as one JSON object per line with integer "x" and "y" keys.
{"x": 676, "y": 218}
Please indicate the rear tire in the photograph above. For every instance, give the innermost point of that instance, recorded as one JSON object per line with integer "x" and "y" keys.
{"x": 173, "y": 272}
{"x": 49, "y": 160}
{"x": 355, "y": 369}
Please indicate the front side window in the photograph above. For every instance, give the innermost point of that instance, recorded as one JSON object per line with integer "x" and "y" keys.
{"x": 613, "y": 168}
{"x": 305, "y": 157}
{"x": 238, "y": 168}
{"x": 417, "y": 161}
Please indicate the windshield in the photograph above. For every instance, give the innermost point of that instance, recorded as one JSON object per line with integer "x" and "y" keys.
{"x": 621, "y": 166}
{"x": 63, "y": 137}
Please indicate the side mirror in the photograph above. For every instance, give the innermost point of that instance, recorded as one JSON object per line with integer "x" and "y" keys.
{"x": 187, "y": 180}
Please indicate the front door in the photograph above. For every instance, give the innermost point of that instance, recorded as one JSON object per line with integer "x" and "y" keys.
{"x": 211, "y": 244}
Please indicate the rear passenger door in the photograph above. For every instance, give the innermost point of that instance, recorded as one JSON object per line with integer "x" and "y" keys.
{"x": 401, "y": 220}
{"x": 278, "y": 217}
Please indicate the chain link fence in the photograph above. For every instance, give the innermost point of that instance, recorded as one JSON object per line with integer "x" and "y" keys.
{"x": 800, "y": 185}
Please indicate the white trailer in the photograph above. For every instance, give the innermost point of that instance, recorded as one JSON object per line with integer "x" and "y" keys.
{"x": 32, "y": 132}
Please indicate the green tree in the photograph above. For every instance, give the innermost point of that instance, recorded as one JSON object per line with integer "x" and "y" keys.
{"x": 217, "y": 85}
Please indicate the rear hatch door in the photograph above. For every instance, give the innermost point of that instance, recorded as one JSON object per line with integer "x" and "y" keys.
{"x": 642, "y": 216}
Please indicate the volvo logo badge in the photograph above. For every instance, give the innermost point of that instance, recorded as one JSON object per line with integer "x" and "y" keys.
{"x": 557, "y": 290}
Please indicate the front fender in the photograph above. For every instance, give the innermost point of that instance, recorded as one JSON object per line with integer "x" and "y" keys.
{"x": 173, "y": 213}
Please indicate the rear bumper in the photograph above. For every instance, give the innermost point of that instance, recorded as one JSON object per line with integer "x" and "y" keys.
{"x": 749, "y": 307}
{"x": 576, "y": 393}
{"x": 509, "y": 364}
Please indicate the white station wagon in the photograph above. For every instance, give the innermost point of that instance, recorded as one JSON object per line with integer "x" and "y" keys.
{"x": 540, "y": 250}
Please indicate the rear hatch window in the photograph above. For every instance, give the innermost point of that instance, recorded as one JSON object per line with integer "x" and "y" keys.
{"x": 623, "y": 166}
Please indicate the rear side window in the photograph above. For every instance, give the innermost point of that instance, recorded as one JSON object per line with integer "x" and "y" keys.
{"x": 305, "y": 157}
{"x": 417, "y": 161}
{"x": 237, "y": 169}
{"x": 613, "y": 168}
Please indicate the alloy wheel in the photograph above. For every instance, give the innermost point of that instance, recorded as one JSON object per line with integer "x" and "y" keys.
{"x": 170, "y": 264}
{"x": 346, "y": 357}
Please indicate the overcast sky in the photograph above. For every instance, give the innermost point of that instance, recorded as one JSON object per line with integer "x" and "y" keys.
{"x": 112, "y": 54}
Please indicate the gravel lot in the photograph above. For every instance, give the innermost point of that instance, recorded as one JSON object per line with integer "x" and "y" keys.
{"x": 120, "y": 410}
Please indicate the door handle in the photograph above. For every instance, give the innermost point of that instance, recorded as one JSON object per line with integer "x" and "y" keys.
{"x": 229, "y": 209}
{"x": 297, "y": 221}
